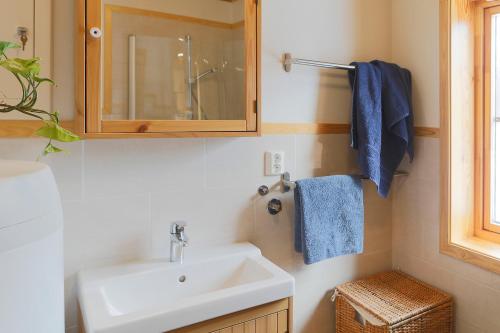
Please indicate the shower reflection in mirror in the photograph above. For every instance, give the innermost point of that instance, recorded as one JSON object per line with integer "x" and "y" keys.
{"x": 173, "y": 62}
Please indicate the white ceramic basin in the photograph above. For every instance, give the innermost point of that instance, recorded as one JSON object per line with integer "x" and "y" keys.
{"x": 149, "y": 297}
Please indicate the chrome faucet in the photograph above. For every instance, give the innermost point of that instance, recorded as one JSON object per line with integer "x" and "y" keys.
{"x": 178, "y": 241}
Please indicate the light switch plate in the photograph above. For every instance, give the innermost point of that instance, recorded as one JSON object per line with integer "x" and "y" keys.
{"x": 275, "y": 163}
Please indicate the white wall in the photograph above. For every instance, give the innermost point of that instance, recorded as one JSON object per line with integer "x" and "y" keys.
{"x": 120, "y": 195}
{"x": 337, "y": 30}
{"x": 416, "y": 201}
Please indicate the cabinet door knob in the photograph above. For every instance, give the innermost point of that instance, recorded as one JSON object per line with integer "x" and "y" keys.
{"x": 95, "y": 32}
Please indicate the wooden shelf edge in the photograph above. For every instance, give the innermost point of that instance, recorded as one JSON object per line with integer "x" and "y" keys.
{"x": 26, "y": 128}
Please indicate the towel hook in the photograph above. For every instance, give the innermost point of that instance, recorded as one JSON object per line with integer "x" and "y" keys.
{"x": 286, "y": 183}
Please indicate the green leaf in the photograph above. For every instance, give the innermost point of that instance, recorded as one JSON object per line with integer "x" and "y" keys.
{"x": 55, "y": 115}
{"x": 50, "y": 148}
{"x": 25, "y": 67}
{"x": 53, "y": 131}
{"x": 42, "y": 79}
{"x": 4, "y": 46}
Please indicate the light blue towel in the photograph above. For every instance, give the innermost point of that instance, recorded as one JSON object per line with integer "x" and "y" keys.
{"x": 329, "y": 217}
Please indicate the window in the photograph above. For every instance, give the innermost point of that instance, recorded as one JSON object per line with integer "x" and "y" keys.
{"x": 470, "y": 131}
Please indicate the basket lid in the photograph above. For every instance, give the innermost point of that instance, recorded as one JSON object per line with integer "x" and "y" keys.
{"x": 393, "y": 296}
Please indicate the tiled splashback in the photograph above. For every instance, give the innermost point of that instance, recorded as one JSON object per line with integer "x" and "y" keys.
{"x": 120, "y": 196}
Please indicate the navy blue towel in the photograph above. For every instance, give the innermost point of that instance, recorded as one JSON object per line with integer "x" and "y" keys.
{"x": 329, "y": 217}
{"x": 382, "y": 120}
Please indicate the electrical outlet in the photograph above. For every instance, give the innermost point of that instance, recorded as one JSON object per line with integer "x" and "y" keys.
{"x": 275, "y": 163}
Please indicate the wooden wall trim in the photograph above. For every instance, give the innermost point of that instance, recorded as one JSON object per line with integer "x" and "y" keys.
{"x": 25, "y": 128}
{"x": 303, "y": 128}
{"x": 325, "y": 128}
{"x": 429, "y": 132}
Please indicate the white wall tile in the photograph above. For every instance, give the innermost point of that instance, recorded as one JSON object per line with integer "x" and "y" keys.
{"x": 141, "y": 166}
{"x": 324, "y": 155}
{"x": 21, "y": 149}
{"x": 233, "y": 163}
{"x": 274, "y": 234}
{"x": 415, "y": 45}
{"x": 67, "y": 166}
{"x": 104, "y": 228}
{"x": 491, "y": 313}
{"x": 68, "y": 169}
{"x": 214, "y": 216}
{"x": 464, "y": 327}
{"x": 416, "y": 246}
{"x": 70, "y": 301}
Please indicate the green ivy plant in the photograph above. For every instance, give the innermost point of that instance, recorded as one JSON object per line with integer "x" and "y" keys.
{"x": 26, "y": 72}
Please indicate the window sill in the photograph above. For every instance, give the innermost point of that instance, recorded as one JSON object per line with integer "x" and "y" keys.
{"x": 476, "y": 251}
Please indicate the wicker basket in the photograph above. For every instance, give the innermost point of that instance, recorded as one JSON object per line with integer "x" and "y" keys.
{"x": 392, "y": 302}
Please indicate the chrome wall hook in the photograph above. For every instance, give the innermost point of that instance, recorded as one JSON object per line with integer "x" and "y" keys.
{"x": 286, "y": 184}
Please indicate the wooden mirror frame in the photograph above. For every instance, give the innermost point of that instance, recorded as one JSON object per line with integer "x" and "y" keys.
{"x": 88, "y": 120}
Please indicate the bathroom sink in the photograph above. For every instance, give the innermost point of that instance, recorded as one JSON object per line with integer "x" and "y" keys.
{"x": 158, "y": 296}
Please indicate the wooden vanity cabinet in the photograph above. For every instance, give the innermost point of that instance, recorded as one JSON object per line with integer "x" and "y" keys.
{"x": 273, "y": 323}
{"x": 275, "y": 317}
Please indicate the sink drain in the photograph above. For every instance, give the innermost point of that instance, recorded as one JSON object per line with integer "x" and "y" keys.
{"x": 182, "y": 278}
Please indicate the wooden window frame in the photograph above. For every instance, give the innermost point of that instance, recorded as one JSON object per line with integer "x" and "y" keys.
{"x": 465, "y": 231}
{"x": 89, "y": 122}
{"x": 484, "y": 226}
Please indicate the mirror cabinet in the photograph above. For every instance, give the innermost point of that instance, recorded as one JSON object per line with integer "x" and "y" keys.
{"x": 160, "y": 68}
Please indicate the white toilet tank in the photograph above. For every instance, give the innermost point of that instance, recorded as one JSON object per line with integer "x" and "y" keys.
{"x": 31, "y": 252}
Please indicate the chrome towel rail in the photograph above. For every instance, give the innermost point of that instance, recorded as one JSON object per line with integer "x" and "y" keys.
{"x": 287, "y": 184}
{"x": 288, "y": 61}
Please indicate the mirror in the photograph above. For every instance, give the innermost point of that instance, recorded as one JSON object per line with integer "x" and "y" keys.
{"x": 171, "y": 66}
